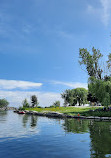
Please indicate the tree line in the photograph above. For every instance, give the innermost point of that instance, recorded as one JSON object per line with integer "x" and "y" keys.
{"x": 34, "y": 102}
{"x": 99, "y": 81}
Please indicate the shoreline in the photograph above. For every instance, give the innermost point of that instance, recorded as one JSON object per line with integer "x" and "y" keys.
{"x": 61, "y": 115}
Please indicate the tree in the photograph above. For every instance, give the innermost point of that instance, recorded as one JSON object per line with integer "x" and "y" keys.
{"x": 81, "y": 95}
{"x": 101, "y": 89}
{"x": 56, "y": 103}
{"x": 3, "y": 103}
{"x": 68, "y": 97}
{"x": 34, "y": 101}
{"x": 91, "y": 62}
{"x": 109, "y": 62}
{"x": 25, "y": 103}
{"x": 74, "y": 96}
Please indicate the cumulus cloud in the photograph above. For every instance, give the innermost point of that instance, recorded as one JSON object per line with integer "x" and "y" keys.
{"x": 71, "y": 84}
{"x": 103, "y": 11}
{"x": 13, "y": 84}
{"x": 16, "y": 98}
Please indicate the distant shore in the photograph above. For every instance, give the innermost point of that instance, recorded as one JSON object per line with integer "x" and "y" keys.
{"x": 72, "y": 112}
{"x": 61, "y": 115}
{"x": 7, "y": 108}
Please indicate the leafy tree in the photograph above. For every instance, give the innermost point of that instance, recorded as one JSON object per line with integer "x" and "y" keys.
{"x": 25, "y": 103}
{"x": 68, "y": 97}
{"x": 91, "y": 62}
{"x": 34, "y": 101}
{"x": 71, "y": 97}
{"x": 81, "y": 95}
{"x": 109, "y": 61}
{"x": 101, "y": 89}
{"x": 56, "y": 103}
{"x": 3, "y": 103}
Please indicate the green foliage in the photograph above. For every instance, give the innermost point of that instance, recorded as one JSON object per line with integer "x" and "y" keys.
{"x": 39, "y": 107}
{"x": 21, "y": 108}
{"x": 74, "y": 96}
{"x": 56, "y": 103}
{"x": 34, "y": 101}
{"x": 91, "y": 62}
{"x": 101, "y": 89}
{"x": 25, "y": 103}
{"x": 109, "y": 62}
{"x": 52, "y": 106}
{"x": 3, "y": 103}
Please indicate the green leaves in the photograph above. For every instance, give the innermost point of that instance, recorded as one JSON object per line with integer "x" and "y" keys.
{"x": 56, "y": 103}
{"x": 91, "y": 62}
{"x": 101, "y": 89}
{"x": 34, "y": 100}
{"x": 25, "y": 103}
{"x": 3, "y": 103}
{"x": 74, "y": 96}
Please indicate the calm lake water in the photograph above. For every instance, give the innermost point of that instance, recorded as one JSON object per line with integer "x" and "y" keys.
{"x": 30, "y": 136}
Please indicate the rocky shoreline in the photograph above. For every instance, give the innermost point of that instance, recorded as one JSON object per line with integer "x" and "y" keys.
{"x": 7, "y": 108}
{"x": 60, "y": 115}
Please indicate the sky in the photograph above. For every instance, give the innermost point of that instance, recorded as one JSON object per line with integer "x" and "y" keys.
{"x": 39, "y": 46}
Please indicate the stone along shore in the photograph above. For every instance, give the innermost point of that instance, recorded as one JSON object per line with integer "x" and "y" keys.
{"x": 60, "y": 115}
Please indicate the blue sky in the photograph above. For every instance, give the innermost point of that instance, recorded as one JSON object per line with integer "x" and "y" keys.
{"x": 39, "y": 45}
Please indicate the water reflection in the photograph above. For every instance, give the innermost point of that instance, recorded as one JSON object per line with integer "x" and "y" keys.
{"x": 76, "y": 126}
{"x": 3, "y": 115}
{"x": 100, "y": 134}
{"x": 31, "y": 119}
{"x": 49, "y": 135}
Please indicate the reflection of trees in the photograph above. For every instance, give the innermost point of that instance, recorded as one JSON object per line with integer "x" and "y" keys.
{"x": 3, "y": 114}
{"x": 100, "y": 134}
{"x": 32, "y": 119}
{"x": 76, "y": 126}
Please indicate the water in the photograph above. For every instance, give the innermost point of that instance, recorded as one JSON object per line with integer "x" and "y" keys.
{"x": 40, "y": 137}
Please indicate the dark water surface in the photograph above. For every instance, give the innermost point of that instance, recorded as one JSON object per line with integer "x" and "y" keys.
{"x": 27, "y": 136}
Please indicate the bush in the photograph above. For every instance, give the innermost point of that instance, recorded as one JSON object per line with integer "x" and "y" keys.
{"x": 52, "y": 106}
{"x": 21, "y": 108}
{"x": 3, "y": 103}
{"x": 39, "y": 107}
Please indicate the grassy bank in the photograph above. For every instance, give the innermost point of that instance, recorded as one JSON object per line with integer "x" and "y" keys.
{"x": 83, "y": 111}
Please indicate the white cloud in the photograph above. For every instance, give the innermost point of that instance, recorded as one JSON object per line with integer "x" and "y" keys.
{"x": 103, "y": 12}
{"x": 13, "y": 84}
{"x": 16, "y": 97}
{"x": 71, "y": 84}
{"x": 106, "y": 4}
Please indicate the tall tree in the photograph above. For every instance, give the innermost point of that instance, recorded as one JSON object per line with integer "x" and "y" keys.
{"x": 91, "y": 62}
{"x": 74, "y": 96}
{"x": 25, "y": 103}
{"x": 34, "y": 101}
{"x": 109, "y": 62}
{"x": 101, "y": 89}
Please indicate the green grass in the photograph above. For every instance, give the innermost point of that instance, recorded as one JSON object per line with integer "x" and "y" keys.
{"x": 83, "y": 111}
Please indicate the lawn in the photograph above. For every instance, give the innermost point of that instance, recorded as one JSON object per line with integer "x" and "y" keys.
{"x": 83, "y": 111}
